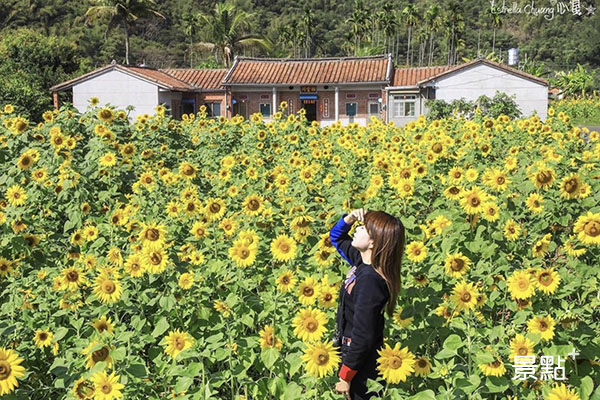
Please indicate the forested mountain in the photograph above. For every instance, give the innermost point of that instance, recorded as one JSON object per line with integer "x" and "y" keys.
{"x": 441, "y": 32}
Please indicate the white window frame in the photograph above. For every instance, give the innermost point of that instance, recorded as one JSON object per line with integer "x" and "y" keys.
{"x": 399, "y": 105}
{"x": 378, "y": 108}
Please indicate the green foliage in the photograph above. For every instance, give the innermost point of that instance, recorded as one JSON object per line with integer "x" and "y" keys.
{"x": 30, "y": 63}
{"x": 500, "y": 104}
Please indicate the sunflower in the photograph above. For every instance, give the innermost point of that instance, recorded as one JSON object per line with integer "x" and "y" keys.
{"x": 242, "y": 253}
{"x": 512, "y": 230}
{"x": 250, "y": 236}
{"x": 153, "y": 235}
{"x": 416, "y": 251}
{"x": 457, "y": 265}
{"x": 155, "y": 261}
{"x": 542, "y": 325}
{"x": 40, "y": 175}
{"x": 188, "y": 170}
{"x": 108, "y": 160}
{"x": 96, "y": 352}
{"x": 72, "y": 278}
{"x": 456, "y": 174}
{"x": 25, "y": 161}
{"x": 253, "y": 205}
{"x": 464, "y": 296}
{"x": 128, "y": 150}
{"x": 395, "y": 364}
{"x": 176, "y": 342}
{"x": 422, "y": 366}
{"x": 106, "y": 289}
{"x": 229, "y": 225}
{"x": 214, "y": 209}
{"x": 222, "y": 308}
{"x": 326, "y": 295}
{"x": 403, "y": 322}
{"x": 199, "y": 230}
{"x": 494, "y": 368}
{"x": 90, "y": 232}
{"x": 561, "y": 392}
{"x": 83, "y": 389}
{"x": 491, "y": 211}
{"x": 321, "y": 359}
{"x": 186, "y": 280}
{"x": 309, "y": 324}
{"x": 268, "y": 338}
{"x": 473, "y": 201}
{"x": 521, "y": 285}
{"x": 43, "y": 338}
{"x": 521, "y": 346}
{"x": 540, "y": 248}
{"x": 283, "y": 248}
{"x": 286, "y": 281}
{"x": 543, "y": 178}
{"x": 134, "y": 265}
{"x": 587, "y": 228}
{"x": 534, "y": 203}
{"x": 6, "y": 267}
{"x": 570, "y": 186}
{"x": 10, "y": 370}
{"x": 103, "y": 325}
{"x": 308, "y": 291}
{"x": 106, "y": 387}
{"x": 16, "y": 195}
{"x": 547, "y": 280}
{"x": 106, "y": 115}
{"x": 498, "y": 180}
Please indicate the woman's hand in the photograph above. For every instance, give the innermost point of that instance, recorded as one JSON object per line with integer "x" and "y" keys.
{"x": 355, "y": 215}
{"x": 343, "y": 387}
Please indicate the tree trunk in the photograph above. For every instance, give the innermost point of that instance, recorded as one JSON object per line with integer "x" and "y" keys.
{"x": 494, "y": 42}
{"x": 126, "y": 43}
{"x": 408, "y": 47}
{"x": 191, "y": 53}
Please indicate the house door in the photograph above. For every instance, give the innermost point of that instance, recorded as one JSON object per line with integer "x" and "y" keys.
{"x": 239, "y": 108}
{"x": 311, "y": 109}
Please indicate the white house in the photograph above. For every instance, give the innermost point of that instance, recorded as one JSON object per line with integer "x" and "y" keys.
{"x": 413, "y": 86}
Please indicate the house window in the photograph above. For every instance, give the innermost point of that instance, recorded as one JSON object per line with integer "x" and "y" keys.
{"x": 404, "y": 105}
{"x": 373, "y": 108}
{"x": 351, "y": 109}
{"x": 213, "y": 109}
{"x": 265, "y": 109}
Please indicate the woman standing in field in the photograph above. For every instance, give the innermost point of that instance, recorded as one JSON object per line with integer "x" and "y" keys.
{"x": 375, "y": 254}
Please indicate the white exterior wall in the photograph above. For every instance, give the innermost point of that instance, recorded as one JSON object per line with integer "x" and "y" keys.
{"x": 472, "y": 82}
{"x": 118, "y": 89}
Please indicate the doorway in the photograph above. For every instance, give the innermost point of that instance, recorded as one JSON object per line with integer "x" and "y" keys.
{"x": 311, "y": 109}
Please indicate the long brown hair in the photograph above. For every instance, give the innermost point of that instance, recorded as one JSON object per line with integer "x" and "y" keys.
{"x": 388, "y": 237}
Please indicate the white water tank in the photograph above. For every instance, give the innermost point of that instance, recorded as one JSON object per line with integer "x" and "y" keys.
{"x": 513, "y": 56}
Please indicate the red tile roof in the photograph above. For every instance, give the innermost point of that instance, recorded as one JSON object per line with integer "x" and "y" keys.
{"x": 411, "y": 76}
{"x": 206, "y": 79}
{"x": 160, "y": 78}
{"x": 309, "y": 70}
{"x": 491, "y": 63}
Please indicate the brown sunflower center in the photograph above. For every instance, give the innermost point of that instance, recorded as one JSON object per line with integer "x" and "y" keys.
{"x": 571, "y": 185}
{"x": 253, "y": 204}
{"x": 108, "y": 287}
{"x": 155, "y": 258}
{"x": 72, "y": 276}
{"x": 308, "y": 291}
{"x": 100, "y": 355}
{"x": 215, "y": 208}
{"x": 322, "y": 358}
{"x": 437, "y": 148}
{"x": 522, "y": 351}
{"x": 43, "y": 336}
{"x": 500, "y": 180}
{"x": 311, "y": 324}
{"x": 179, "y": 343}
{"x": 5, "y": 370}
{"x": 466, "y": 297}
{"x": 457, "y": 264}
{"x": 188, "y": 170}
{"x": 284, "y": 247}
{"x": 544, "y": 177}
{"x": 395, "y": 362}
{"x": 244, "y": 253}
{"x": 454, "y": 190}
{"x": 422, "y": 363}
{"x": 496, "y": 364}
{"x": 592, "y": 228}
{"x": 106, "y": 388}
{"x": 152, "y": 234}
{"x": 475, "y": 201}
{"x": 543, "y": 325}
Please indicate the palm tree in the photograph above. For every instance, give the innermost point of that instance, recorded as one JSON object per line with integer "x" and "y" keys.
{"x": 434, "y": 23}
{"x": 496, "y": 22}
{"x": 359, "y": 19}
{"x": 190, "y": 23}
{"x": 123, "y": 13}
{"x": 411, "y": 17}
{"x": 227, "y": 27}
{"x": 454, "y": 22}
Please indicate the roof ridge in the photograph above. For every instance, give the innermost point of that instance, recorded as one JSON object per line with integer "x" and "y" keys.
{"x": 313, "y": 59}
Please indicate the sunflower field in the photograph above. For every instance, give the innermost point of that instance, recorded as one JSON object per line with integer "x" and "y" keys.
{"x": 190, "y": 259}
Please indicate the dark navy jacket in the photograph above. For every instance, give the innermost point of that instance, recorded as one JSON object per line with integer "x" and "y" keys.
{"x": 366, "y": 294}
